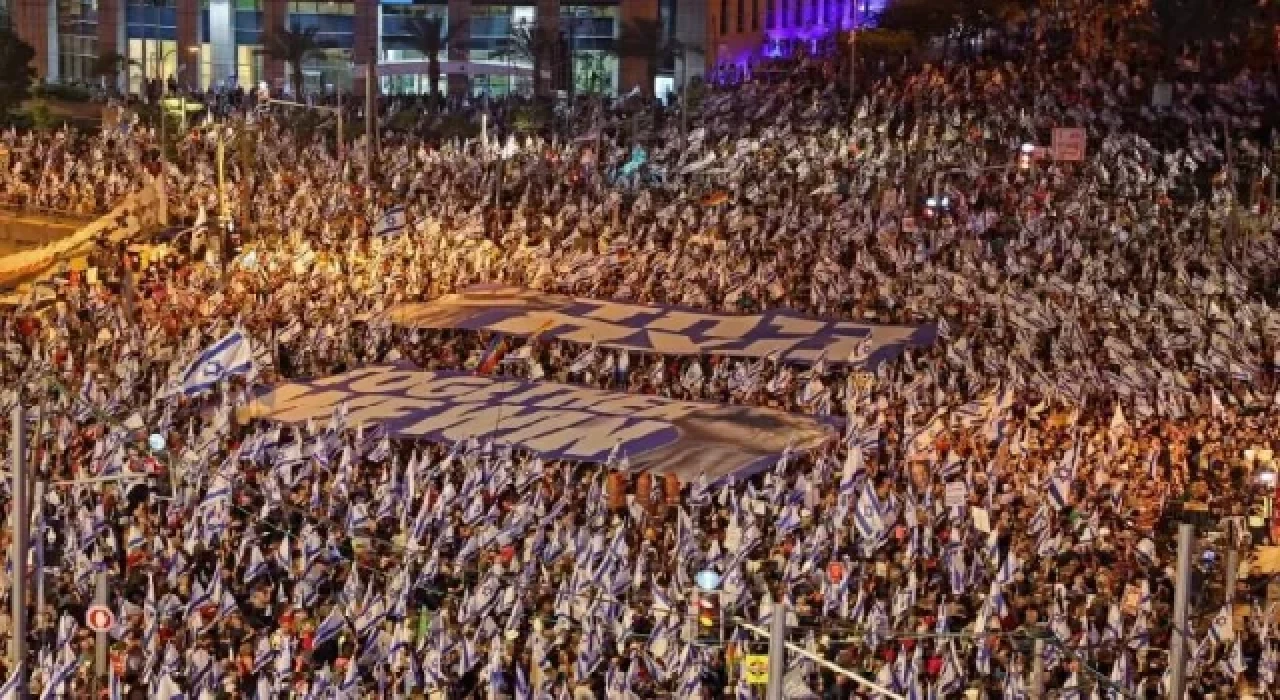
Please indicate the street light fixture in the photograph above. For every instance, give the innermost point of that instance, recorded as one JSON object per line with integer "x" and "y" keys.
{"x": 938, "y": 202}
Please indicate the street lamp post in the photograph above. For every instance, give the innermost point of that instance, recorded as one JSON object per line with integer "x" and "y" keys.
{"x": 164, "y": 143}
{"x": 853, "y": 54}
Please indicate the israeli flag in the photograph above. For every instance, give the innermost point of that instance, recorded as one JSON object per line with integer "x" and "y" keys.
{"x": 392, "y": 222}
{"x": 1059, "y": 493}
{"x": 230, "y": 356}
{"x": 9, "y": 691}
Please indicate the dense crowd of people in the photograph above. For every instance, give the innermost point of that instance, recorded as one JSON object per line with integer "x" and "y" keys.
{"x": 1109, "y": 341}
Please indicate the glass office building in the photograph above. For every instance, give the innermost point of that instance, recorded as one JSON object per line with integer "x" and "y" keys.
{"x": 230, "y": 42}
{"x": 199, "y": 44}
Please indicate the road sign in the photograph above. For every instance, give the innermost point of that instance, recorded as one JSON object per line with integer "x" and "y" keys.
{"x": 99, "y": 618}
{"x": 1069, "y": 143}
{"x": 957, "y": 494}
{"x": 756, "y": 669}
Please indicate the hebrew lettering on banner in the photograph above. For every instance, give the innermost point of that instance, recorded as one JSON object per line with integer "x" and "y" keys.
{"x": 664, "y": 330}
{"x": 558, "y": 421}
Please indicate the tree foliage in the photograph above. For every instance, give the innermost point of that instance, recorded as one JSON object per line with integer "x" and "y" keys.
{"x": 110, "y": 65}
{"x": 642, "y": 39}
{"x": 427, "y": 36}
{"x": 1245, "y": 27}
{"x": 533, "y": 45}
{"x": 294, "y": 48}
{"x": 16, "y": 71}
{"x": 874, "y": 44}
{"x": 937, "y": 18}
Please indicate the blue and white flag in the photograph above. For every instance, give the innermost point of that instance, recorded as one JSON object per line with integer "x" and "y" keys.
{"x": 9, "y": 691}
{"x": 328, "y": 629}
{"x": 230, "y": 356}
{"x": 1223, "y": 627}
{"x": 392, "y": 222}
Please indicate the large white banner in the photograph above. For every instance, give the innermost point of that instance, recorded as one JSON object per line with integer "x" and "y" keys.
{"x": 665, "y": 330}
{"x": 559, "y": 421}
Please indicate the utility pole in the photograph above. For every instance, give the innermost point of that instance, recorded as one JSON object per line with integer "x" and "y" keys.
{"x": 248, "y": 148}
{"x": 224, "y": 219}
{"x": 1181, "y": 595}
{"x": 777, "y": 651}
{"x": 342, "y": 143}
{"x": 878, "y": 690}
{"x": 1233, "y": 560}
{"x": 100, "y": 650}
{"x": 18, "y": 551}
{"x": 853, "y": 58}
{"x": 37, "y": 539}
{"x": 128, "y": 293}
{"x": 1037, "y": 670}
{"x": 684, "y": 97}
{"x": 370, "y": 115}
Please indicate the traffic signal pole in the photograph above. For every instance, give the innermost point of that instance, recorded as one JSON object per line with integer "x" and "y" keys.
{"x": 760, "y": 631}
{"x": 777, "y": 651}
{"x": 18, "y": 554}
{"x": 1181, "y": 596}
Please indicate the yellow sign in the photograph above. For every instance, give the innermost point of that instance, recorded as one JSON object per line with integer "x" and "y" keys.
{"x": 756, "y": 669}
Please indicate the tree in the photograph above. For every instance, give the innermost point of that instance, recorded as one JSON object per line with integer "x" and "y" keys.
{"x": 16, "y": 72}
{"x": 928, "y": 19}
{"x": 875, "y": 45}
{"x": 1179, "y": 23}
{"x": 532, "y": 45}
{"x": 641, "y": 40}
{"x": 924, "y": 18}
{"x": 294, "y": 48}
{"x": 109, "y": 65}
{"x": 427, "y": 36}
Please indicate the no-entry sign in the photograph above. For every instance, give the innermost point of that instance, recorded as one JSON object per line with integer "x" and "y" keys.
{"x": 99, "y": 618}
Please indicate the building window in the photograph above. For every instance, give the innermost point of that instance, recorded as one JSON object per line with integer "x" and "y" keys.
{"x": 77, "y": 39}
{"x": 770, "y": 22}
{"x": 397, "y": 30}
{"x": 742, "y": 16}
{"x": 755, "y": 15}
{"x": 724, "y": 17}
{"x": 798, "y": 20}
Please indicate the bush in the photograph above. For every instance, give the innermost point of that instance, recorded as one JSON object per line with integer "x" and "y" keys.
{"x": 527, "y": 119}
{"x": 41, "y": 118}
{"x": 458, "y": 126}
{"x": 58, "y": 91}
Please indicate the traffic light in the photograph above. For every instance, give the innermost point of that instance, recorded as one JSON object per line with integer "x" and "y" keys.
{"x": 710, "y": 627}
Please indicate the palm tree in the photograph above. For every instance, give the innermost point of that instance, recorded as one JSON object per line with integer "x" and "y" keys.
{"x": 533, "y": 45}
{"x": 294, "y": 48}
{"x": 641, "y": 40}
{"x": 428, "y": 36}
{"x": 109, "y": 65}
